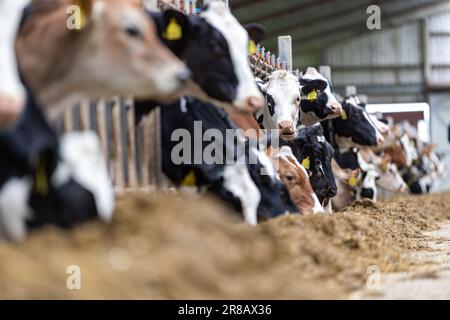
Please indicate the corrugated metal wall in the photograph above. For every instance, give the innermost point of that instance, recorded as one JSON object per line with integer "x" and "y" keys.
{"x": 386, "y": 65}
{"x": 439, "y": 46}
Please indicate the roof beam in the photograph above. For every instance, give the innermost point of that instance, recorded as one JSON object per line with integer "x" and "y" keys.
{"x": 337, "y": 30}
{"x": 310, "y": 17}
{"x": 278, "y": 9}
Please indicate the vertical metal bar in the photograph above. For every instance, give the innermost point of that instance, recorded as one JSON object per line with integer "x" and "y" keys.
{"x": 285, "y": 50}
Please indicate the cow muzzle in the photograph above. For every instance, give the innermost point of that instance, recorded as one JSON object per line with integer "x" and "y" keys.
{"x": 287, "y": 129}
{"x": 380, "y": 140}
{"x": 10, "y": 108}
{"x": 336, "y": 109}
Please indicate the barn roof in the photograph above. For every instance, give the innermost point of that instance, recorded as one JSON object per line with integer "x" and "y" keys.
{"x": 317, "y": 24}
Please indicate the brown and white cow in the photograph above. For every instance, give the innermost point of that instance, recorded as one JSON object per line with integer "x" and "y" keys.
{"x": 115, "y": 52}
{"x": 347, "y": 181}
{"x": 295, "y": 178}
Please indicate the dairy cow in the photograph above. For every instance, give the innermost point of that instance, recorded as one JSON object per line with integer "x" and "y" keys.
{"x": 290, "y": 103}
{"x": 282, "y": 107}
{"x": 347, "y": 182}
{"x": 212, "y": 46}
{"x": 113, "y": 51}
{"x": 318, "y": 102}
{"x": 215, "y": 47}
{"x": 230, "y": 174}
{"x": 313, "y": 151}
{"x": 353, "y": 128}
{"x": 295, "y": 178}
{"x": 45, "y": 181}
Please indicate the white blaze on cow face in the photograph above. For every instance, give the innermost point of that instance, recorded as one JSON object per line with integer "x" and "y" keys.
{"x": 282, "y": 103}
{"x": 248, "y": 97}
{"x": 313, "y": 74}
{"x": 12, "y": 93}
{"x": 83, "y": 161}
{"x": 368, "y": 185}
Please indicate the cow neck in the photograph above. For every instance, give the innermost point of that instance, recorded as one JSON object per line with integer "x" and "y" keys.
{"x": 330, "y": 134}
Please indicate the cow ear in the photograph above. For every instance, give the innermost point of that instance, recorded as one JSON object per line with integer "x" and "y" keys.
{"x": 314, "y": 85}
{"x": 175, "y": 25}
{"x": 256, "y": 33}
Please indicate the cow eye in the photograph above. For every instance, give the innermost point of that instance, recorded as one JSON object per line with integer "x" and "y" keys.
{"x": 217, "y": 48}
{"x": 290, "y": 178}
{"x": 133, "y": 32}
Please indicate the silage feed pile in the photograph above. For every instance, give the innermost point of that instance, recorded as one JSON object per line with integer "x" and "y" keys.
{"x": 170, "y": 247}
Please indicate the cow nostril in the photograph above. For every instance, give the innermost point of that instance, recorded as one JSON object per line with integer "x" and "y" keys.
{"x": 285, "y": 126}
{"x": 332, "y": 192}
{"x": 183, "y": 75}
{"x": 380, "y": 140}
{"x": 336, "y": 108}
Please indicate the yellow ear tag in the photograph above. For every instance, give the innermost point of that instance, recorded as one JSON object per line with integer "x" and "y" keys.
{"x": 251, "y": 47}
{"x": 190, "y": 179}
{"x": 306, "y": 163}
{"x": 173, "y": 31}
{"x": 352, "y": 181}
{"x": 344, "y": 115}
{"x": 83, "y": 17}
{"x": 312, "y": 96}
{"x": 384, "y": 166}
{"x": 41, "y": 179}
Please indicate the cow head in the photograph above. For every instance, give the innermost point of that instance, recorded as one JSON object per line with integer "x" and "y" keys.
{"x": 397, "y": 154}
{"x": 409, "y": 149}
{"x": 215, "y": 47}
{"x": 282, "y": 103}
{"x": 113, "y": 51}
{"x": 382, "y": 127}
{"x": 316, "y": 154}
{"x": 295, "y": 178}
{"x": 355, "y": 128}
{"x": 318, "y": 102}
{"x": 390, "y": 179}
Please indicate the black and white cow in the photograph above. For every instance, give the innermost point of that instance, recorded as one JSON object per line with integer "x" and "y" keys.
{"x": 215, "y": 47}
{"x": 353, "y": 128}
{"x": 366, "y": 186}
{"x": 318, "y": 102}
{"x": 282, "y": 93}
{"x": 236, "y": 180}
{"x": 315, "y": 154}
{"x": 290, "y": 103}
{"x": 47, "y": 181}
